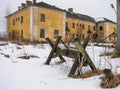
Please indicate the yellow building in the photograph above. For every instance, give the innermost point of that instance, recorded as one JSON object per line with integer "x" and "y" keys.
{"x": 35, "y": 21}
{"x": 79, "y": 25}
{"x": 106, "y": 30}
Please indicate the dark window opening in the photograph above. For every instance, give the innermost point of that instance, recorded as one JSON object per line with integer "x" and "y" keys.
{"x": 80, "y": 25}
{"x": 66, "y": 25}
{"x": 21, "y": 19}
{"x": 77, "y": 25}
{"x": 56, "y": 33}
{"x": 42, "y": 33}
{"x": 42, "y": 17}
{"x": 73, "y": 25}
{"x": 83, "y": 26}
{"x": 101, "y": 28}
{"x": 94, "y": 28}
{"x": 88, "y": 27}
{"x": 21, "y": 33}
{"x": 13, "y": 22}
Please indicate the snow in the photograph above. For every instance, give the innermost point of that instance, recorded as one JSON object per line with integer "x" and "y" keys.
{"x": 32, "y": 74}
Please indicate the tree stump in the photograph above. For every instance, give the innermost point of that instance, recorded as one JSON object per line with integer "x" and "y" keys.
{"x": 108, "y": 74}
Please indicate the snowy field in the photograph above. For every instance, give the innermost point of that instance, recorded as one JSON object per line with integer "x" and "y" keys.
{"x": 32, "y": 74}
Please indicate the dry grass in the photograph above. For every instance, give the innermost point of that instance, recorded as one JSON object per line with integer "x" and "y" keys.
{"x": 88, "y": 74}
{"x": 116, "y": 54}
{"x": 110, "y": 83}
{"x": 107, "y": 54}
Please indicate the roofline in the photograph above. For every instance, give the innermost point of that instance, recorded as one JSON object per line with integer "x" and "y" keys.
{"x": 17, "y": 11}
{"x": 34, "y": 6}
{"x": 81, "y": 19}
{"x": 106, "y": 20}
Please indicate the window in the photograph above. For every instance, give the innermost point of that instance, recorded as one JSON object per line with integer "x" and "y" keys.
{"x": 21, "y": 33}
{"x": 13, "y": 21}
{"x": 77, "y": 25}
{"x": 101, "y": 28}
{"x": 83, "y": 26}
{"x": 80, "y": 25}
{"x": 42, "y": 33}
{"x": 76, "y": 35}
{"x": 94, "y": 28}
{"x": 73, "y": 25}
{"x": 42, "y": 17}
{"x": 56, "y": 33}
{"x": 83, "y": 37}
{"x": 88, "y": 27}
{"x": 21, "y": 19}
{"x": 66, "y": 24}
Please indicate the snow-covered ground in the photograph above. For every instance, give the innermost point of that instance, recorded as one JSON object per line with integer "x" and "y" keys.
{"x": 32, "y": 74}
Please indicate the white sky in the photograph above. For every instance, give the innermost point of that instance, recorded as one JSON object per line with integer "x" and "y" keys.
{"x": 94, "y": 8}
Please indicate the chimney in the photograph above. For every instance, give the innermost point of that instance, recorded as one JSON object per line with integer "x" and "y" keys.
{"x": 70, "y": 10}
{"x": 34, "y": 1}
{"x": 23, "y": 5}
{"x": 28, "y": 3}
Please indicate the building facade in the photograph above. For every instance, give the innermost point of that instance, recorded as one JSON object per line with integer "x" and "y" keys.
{"x": 35, "y": 21}
{"x": 107, "y": 30}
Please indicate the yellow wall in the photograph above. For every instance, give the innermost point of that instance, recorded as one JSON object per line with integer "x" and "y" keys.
{"x": 101, "y": 33}
{"x": 53, "y": 20}
{"x": 108, "y": 28}
{"x": 78, "y": 30}
{"x": 112, "y": 28}
{"x": 25, "y": 26}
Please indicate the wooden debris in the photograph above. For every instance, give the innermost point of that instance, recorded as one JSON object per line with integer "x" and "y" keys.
{"x": 3, "y": 44}
{"x": 18, "y": 47}
{"x": 28, "y": 56}
{"x": 7, "y": 56}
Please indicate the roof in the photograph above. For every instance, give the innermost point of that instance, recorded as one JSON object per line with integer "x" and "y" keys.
{"x": 45, "y": 5}
{"x": 85, "y": 17}
{"x": 105, "y": 20}
{"x": 80, "y": 16}
{"x": 40, "y": 4}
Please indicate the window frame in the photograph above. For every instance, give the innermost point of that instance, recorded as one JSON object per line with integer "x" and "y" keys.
{"x": 42, "y": 33}
{"x": 73, "y": 25}
{"x": 100, "y": 28}
{"x": 56, "y": 33}
{"x": 21, "y": 19}
{"x": 42, "y": 17}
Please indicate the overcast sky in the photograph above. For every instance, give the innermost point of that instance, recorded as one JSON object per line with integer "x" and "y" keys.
{"x": 94, "y": 8}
